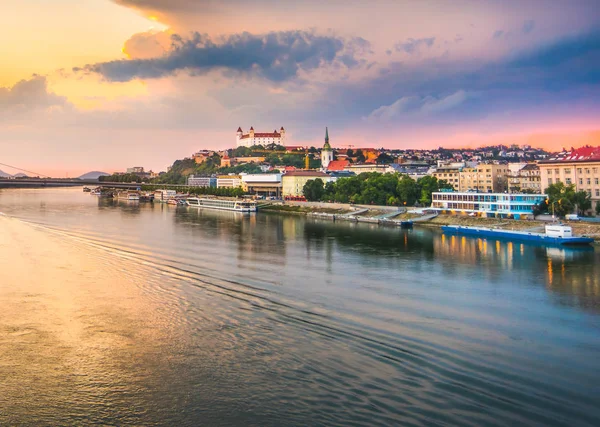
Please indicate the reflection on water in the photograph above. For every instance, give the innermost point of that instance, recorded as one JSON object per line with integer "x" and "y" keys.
{"x": 149, "y": 314}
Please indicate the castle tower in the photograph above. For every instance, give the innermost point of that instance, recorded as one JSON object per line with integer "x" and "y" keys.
{"x": 326, "y": 152}
{"x": 238, "y": 136}
{"x": 282, "y": 133}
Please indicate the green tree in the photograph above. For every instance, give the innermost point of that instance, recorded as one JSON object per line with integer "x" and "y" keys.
{"x": 582, "y": 201}
{"x": 598, "y": 208}
{"x": 385, "y": 159}
{"x": 561, "y": 198}
{"x": 360, "y": 157}
{"x": 408, "y": 190}
{"x": 430, "y": 184}
{"x": 314, "y": 189}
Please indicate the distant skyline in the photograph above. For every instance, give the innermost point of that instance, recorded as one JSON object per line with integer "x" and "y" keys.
{"x": 106, "y": 85}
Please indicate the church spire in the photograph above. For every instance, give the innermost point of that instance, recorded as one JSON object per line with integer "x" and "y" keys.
{"x": 326, "y": 147}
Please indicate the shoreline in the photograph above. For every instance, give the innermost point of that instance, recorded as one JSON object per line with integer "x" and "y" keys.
{"x": 374, "y": 215}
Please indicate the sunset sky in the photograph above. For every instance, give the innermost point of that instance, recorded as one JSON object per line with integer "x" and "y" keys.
{"x": 106, "y": 85}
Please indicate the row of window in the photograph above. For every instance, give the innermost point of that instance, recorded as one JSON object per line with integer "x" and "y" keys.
{"x": 579, "y": 171}
{"x": 569, "y": 181}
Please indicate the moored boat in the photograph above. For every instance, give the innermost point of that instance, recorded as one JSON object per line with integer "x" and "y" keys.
{"x": 237, "y": 205}
{"x": 87, "y": 190}
{"x": 131, "y": 196}
{"x": 556, "y": 234}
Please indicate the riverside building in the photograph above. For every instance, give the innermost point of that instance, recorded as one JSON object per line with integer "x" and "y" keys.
{"x": 202, "y": 181}
{"x": 580, "y": 167}
{"x": 293, "y": 182}
{"x": 501, "y": 205}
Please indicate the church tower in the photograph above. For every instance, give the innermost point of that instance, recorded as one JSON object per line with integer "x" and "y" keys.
{"x": 326, "y": 152}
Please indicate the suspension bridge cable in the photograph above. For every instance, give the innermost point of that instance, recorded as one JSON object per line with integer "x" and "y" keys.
{"x": 41, "y": 175}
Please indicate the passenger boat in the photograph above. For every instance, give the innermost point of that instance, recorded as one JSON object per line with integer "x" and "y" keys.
{"x": 237, "y": 205}
{"x": 556, "y": 234}
{"x": 131, "y": 196}
{"x": 176, "y": 202}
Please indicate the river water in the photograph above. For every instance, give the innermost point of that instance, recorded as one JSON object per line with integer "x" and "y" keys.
{"x": 115, "y": 313}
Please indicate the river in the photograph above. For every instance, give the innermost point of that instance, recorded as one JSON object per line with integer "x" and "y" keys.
{"x": 116, "y": 313}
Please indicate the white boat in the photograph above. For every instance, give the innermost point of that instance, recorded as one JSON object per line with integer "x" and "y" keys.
{"x": 237, "y": 205}
{"x": 163, "y": 196}
{"x": 128, "y": 195}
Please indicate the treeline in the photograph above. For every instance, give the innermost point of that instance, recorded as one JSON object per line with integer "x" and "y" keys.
{"x": 211, "y": 191}
{"x": 124, "y": 177}
{"x": 377, "y": 189}
{"x": 564, "y": 199}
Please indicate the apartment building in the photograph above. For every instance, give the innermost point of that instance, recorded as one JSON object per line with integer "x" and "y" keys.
{"x": 525, "y": 179}
{"x": 485, "y": 177}
{"x": 580, "y": 167}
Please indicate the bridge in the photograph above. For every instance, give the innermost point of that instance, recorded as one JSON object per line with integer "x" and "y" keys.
{"x": 50, "y": 182}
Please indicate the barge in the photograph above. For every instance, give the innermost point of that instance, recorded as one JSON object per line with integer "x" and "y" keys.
{"x": 561, "y": 235}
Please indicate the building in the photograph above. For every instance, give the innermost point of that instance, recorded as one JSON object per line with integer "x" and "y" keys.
{"x": 358, "y": 169}
{"x": 263, "y": 184}
{"x": 525, "y": 179}
{"x": 201, "y": 156}
{"x": 502, "y": 205}
{"x": 244, "y": 160}
{"x": 136, "y": 170}
{"x": 580, "y": 167}
{"x": 449, "y": 174}
{"x": 201, "y": 181}
{"x": 326, "y": 152}
{"x": 293, "y": 182}
{"x": 229, "y": 181}
{"x": 338, "y": 165}
{"x": 415, "y": 170}
{"x": 487, "y": 177}
{"x": 252, "y": 138}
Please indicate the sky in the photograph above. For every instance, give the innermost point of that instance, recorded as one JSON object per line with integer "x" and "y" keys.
{"x": 110, "y": 84}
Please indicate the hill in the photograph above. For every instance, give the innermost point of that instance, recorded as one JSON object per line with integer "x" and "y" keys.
{"x": 93, "y": 175}
{"x": 4, "y": 174}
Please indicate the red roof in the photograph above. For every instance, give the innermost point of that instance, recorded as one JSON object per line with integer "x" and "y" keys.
{"x": 239, "y": 129}
{"x": 337, "y": 165}
{"x": 581, "y": 154}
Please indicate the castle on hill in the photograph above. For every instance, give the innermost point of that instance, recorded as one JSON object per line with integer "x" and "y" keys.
{"x": 259, "y": 138}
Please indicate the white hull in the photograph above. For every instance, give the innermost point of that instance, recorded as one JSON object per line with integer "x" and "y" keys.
{"x": 222, "y": 205}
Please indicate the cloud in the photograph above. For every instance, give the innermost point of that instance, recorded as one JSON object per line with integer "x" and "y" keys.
{"x": 411, "y": 45}
{"x": 276, "y": 56}
{"x": 27, "y": 95}
{"x": 411, "y": 105}
{"x": 498, "y": 34}
{"x": 528, "y": 26}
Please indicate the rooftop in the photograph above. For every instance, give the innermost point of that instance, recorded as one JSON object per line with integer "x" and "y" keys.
{"x": 581, "y": 154}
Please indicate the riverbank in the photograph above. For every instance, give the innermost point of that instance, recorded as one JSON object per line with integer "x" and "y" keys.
{"x": 386, "y": 215}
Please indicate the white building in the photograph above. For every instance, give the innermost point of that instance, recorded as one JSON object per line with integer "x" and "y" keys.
{"x": 518, "y": 206}
{"x": 252, "y": 138}
{"x": 229, "y": 181}
{"x": 202, "y": 181}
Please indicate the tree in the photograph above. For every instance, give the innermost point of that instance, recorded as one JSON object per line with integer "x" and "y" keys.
{"x": 430, "y": 184}
{"x": 408, "y": 190}
{"x": 385, "y": 159}
{"x": 598, "y": 208}
{"x": 360, "y": 157}
{"x": 350, "y": 153}
{"x": 582, "y": 201}
{"x": 561, "y": 198}
{"x": 314, "y": 189}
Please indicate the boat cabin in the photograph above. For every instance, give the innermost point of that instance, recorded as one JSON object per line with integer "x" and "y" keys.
{"x": 559, "y": 231}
